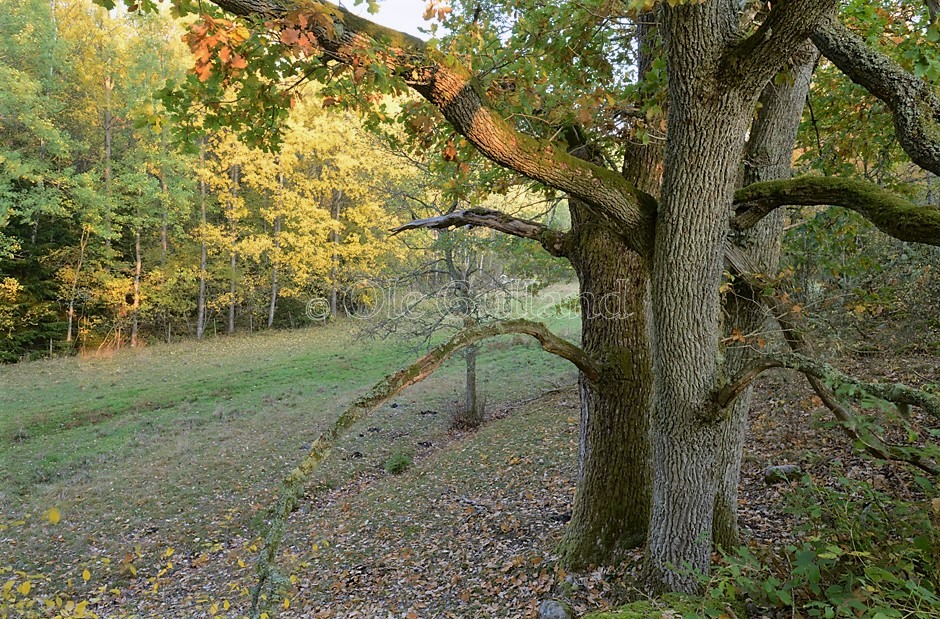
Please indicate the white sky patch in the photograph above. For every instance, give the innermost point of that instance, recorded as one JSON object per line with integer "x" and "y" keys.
{"x": 403, "y": 15}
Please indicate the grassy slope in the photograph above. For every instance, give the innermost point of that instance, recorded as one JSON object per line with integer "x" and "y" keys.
{"x": 182, "y": 445}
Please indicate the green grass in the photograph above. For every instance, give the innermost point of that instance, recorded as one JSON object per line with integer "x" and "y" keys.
{"x": 163, "y": 445}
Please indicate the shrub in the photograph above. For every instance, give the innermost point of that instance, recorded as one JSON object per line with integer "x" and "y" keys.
{"x": 399, "y": 462}
{"x": 863, "y": 554}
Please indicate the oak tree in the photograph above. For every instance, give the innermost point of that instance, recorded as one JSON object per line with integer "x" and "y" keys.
{"x": 543, "y": 90}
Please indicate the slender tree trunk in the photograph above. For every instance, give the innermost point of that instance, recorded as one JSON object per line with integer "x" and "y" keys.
{"x": 164, "y": 214}
{"x": 135, "y": 324}
{"x": 203, "y": 250}
{"x": 73, "y": 293}
{"x": 233, "y": 252}
{"x": 707, "y": 127}
{"x": 233, "y": 262}
{"x": 472, "y": 415}
{"x": 273, "y": 305}
{"x": 164, "y": 189}
{"x": 108, "y": 144}
{"x": 275, "y": 257}
{"x": 768, "y": 157}
{"x": 54, "y": 14}
{"x": 335, "y": 212}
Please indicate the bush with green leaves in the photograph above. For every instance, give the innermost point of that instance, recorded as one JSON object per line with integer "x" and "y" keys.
{"x": 399, "y": 462}
{"x": 863, "y": 554}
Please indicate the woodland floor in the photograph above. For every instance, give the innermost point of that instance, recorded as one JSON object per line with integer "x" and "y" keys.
{"x": 467, "y": 532}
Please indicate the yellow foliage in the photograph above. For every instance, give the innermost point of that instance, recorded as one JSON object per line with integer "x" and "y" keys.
{"x": 316, "y": 211}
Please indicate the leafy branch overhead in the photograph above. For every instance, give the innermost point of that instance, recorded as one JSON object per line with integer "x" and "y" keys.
{"x": 319, "y": 31}
{"x": 314, "y": 32}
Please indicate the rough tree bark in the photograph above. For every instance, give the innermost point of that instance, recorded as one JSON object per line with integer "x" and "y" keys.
{"x": 706, "y": 135}
{"x": 768, "y": 156}
{"x": 612, "y": 503}
{"x": 611, "y": 506}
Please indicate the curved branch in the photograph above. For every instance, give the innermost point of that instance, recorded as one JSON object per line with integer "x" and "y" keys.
{"x": 460, "y": 99}
{"x": 915, "y": 106}
{"x": 292, "y": 487}
{"x": 891, "y": 213}
{"x": 896, "y": 393}
{"x": 554, "y": 241}
{"x": 756, "y": 283}
{"x": 757, "y": 58}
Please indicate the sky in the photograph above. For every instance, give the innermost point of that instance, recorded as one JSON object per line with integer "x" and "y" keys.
{"x": 404, "y": 15}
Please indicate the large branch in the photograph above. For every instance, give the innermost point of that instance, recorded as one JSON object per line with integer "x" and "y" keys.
{"x": 896, "y": 393}
{"x": 456, "y": 94}
{"x": 292, "y": 487}
{"x": 554, "y": 242}
{"x": 912, "y": 101}
{"x": 757, "y": 58}
{"x": 891, "y": 213}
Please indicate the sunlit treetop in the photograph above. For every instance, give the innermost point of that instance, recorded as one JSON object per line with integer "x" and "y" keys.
{"x": 543, "y": 66}
{"x": 248, "y": 73}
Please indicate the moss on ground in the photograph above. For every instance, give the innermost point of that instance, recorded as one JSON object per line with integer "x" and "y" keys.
{"x": 668, "y": 607}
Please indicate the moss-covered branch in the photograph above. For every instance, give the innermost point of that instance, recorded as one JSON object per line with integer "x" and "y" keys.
{"x": 759, "y": 287}
{"x": 891, "y": 213}
{"x": 913, "y": 102}
{"x": 554, "y": 241}
{"x": 896, "y": 393}
{"x": 292, "y": 487}
{"x": 824, "y": 374}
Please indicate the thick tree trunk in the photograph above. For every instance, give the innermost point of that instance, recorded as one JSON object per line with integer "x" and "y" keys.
{"x": 611, "y": 507}
{"x": 768, "y": 157}
{"x": 707, "y": 127}
{"x": 613, "y": 500}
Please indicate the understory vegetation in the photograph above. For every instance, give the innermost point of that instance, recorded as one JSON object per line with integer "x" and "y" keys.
{"x": 156, "y": 508}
